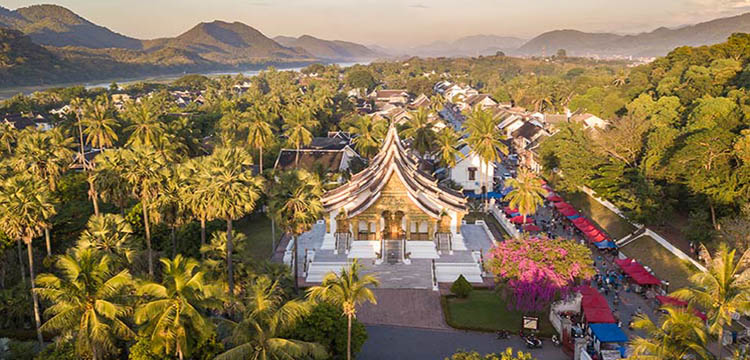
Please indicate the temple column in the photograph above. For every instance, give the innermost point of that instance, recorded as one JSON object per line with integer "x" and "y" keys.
{"x": 329, "y": 240}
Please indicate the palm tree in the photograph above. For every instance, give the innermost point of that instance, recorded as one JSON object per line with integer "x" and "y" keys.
{"x": 723, "y": 290}
{"x": 259, "y": 127}
{"x": 109, "y": 234}
{"x": 485, "y": 139}
{"x": 681, "y": 335}
{"x": 88, "y": 302}
{"x": 215, "y": 253}
{"x": 171, "y": 208}
{"x": 297, "y": 125}
{"x": 8, "y": 135}
{"x": 370, "y": 134}
{"x": 346, "y": 291}
{"x": 108, "y": 178}
{"x": 25, "y": 206}
{"x": 231, "y": 191}
{"x": 294, "y": 201}
{"x": 192, "y": 182}
{"x": 98, "y": 121}
{"x": 145, "y": 124}
{"x": 174, "y": 312}
{"x": 144, "y": 170}
{"x": 230, "y": 124}
{"x": 420, "y": 128}
{"x": 46, "y": 154}
{"x": 266, "y": 317}
{"x": 447, "y": 142}
{"x": 528, "y": 193}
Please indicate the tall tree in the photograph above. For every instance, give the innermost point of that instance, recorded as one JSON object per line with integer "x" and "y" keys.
{"x": 145, "y": 122}
{"x": 111, "y": 235}
{"x": 346, "y": 291}
{"x": 174, "y": 313}
{"x": 447, "y": 142}
{"x": 98, "y": 122}
{"x": 259, "y": 127}
{"x": 25, "y": 206}
{"x": 298, "y": 125}
{"x": 192, "y": 181}
{"x": 724, "y": 289}
{"x": 88, "y": 302}
{"x": 8, "y": 135}
{"x": 421, "y": 129}
{"x": 266, "y": 316}
{"x": 369, "y": 134}
{"x": 485, "y": 140}
{"x": 231, "y": 191}
{"x": 294, "y": 201}
{"x": 528, "y": 193}
{"x": 681, "y": 335}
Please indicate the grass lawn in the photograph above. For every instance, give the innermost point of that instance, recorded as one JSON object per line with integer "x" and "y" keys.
{"x": 497, "y": 230}
{"x": 485, "y": 310}
{"x": 616, "y": 226}
{"x": 257, "y": 228}
{"x": 666, "y": 266}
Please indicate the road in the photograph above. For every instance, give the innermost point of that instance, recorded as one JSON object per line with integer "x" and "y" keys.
{"x": 393, "y": 343}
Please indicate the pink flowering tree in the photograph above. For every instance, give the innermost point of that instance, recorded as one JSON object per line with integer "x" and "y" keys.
{"x": 536, "y": 269}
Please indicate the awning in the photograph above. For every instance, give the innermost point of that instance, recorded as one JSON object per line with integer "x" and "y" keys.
{"x": 594, "y": 300}
{"x": 637, "y": 272}
{"x": 520, "y": 220}
{"x": 509, "y": 211}
{"x": 563, "y": 205}
{"x": 608, "y": 333}
{"x": 605, "y": 245}
{"x": 554, "y": 198}
{"x": 531, "y": 227}
{"x": 568, "y": 212}
{"x": 670, "y": 301}
{"x": 598, "y": 315}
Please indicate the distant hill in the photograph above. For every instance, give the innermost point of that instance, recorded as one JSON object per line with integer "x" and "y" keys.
{"x": 474, "y": 45}
{"x": 22, "y": 61}
{"x": 230, "y": 43}
{"x": 328, "y": 49}
{"x": 57, "y": 26}
{"x": 655, "y": 43}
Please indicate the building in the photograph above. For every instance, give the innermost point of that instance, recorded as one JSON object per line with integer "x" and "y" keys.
{"x": 393, "y": 201}
{"x": 471, "y": 173}
{"x": 393, "y": 97}
{"x": 332, "y": 154}
{"x": 484, "y": 101}
{"x": 23, "y": 121}
{"x": 589, "y": 121}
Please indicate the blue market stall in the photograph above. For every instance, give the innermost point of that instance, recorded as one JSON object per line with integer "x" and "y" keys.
{"x": 608, "y": 338}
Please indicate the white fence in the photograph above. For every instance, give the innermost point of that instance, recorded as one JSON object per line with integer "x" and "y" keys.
{"x": 504, "y": 222}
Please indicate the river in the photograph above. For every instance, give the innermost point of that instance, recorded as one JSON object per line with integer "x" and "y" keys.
{"x": 6, "y": 93}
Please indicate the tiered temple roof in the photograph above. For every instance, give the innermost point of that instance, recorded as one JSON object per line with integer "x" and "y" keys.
{"x": 364, "y": 188}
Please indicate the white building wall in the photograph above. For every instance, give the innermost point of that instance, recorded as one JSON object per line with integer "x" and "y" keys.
{"x": 460, "y": 173}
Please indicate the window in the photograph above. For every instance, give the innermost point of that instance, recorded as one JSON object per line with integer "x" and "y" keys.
{"x": 472, "y": 173}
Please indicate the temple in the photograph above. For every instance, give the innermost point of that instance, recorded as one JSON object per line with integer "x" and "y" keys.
{"x": 400, "y": 224}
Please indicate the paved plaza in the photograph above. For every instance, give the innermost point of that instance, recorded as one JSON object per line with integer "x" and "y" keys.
{"x": 404, "y": 307}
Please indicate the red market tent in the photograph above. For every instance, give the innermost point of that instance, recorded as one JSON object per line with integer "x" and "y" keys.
{"x": 598, "y": 315}
{"x": 670, "y": 301}
{"x": 592, "y": 233}
{"x": 562, "y": 205}
{"x": 554, "y": 198}
{"x": 644, "y": 278}
{"x": 568, "y": 212}
{"x": 532, "y": 227}
{"x": 585, "y": 227}
{"x": 581, "y": 220}
{"x": 598, "y": 237}
{"x": 594, "y": 301}
{"x": 519, "y": 220}
{"x": 509, "y": 211}
{"x": 587, "y": 291}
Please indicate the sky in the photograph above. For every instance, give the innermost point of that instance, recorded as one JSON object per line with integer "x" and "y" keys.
{"x": 396, "y": 23}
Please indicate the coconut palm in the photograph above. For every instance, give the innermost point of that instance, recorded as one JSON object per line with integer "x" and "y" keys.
{"x": 109, "y": 234}
{"x": 109, "y": 181}
{"x": 528, "y": 193}
{"x": 197, "y": 201}
{"x": 230, "y": 124}
{"x": 145, "y": 123}
{"x": 370, "y": 134}
{"x": 46, "y": 154}
{"x": 215, "y": 253}
{"x": 171, "y": 208}
{"x": 266, "y": 316}
{"x": 88, "y": 302}
{"x": 144, "y": 170}
{"x": 681, "y": 335}
{"x": 98, "y": 122}
{"x": 298, "y": 123}
{"x": 174, "y": 313}
{"x": 294, "y": 201}
{"x": 25, "y": 206}
{"x": 723, "y": 290}
{"x": 231, "y": 192}
{"x": 420, "y": 128}
{"x": 259, "y": 125}
{"x": 8, "y": 135}
{"x": 346, "y": 291}
{"x": 485, "y": 140}
{"x": 447, "y": 142}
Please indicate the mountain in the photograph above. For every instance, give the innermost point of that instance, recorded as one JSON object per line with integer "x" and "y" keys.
{"x": 57, "y": 26}
{"x": 468, "y": 46}
{"x": 328, "y": 49}
{"x": 655, "y": 43}
{"x": 230, "y": 43}
{"x": 22, "y": 61}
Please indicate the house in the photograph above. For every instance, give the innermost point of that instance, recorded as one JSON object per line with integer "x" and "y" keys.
{"x": 510, "y": 123}
{"x": 393, "y": 97}
{"x": 589, "y": 121}
{"x": 471, "y": 173}
{"x": 420, "y": 102}
{"x": 484, "y": 101}
{"x": 526, "y": 140}
{"x": 331, "y": 154}
{"x": 459, "y": 93}
{"x": 22, "y": 121}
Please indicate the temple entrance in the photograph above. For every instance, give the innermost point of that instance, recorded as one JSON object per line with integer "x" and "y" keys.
{"x": 392, "y": 225}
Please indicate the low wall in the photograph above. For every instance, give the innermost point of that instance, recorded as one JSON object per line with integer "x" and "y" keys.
{"x": 504, "y": 222}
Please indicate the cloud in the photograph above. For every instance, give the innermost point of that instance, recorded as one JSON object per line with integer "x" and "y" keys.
{"x": 419, "y": 6}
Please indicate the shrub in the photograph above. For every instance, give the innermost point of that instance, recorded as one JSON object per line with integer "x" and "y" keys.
{"x": 326, "y": 325}
{"x": 506, "y": 355}
{"x": 461, "y": 287}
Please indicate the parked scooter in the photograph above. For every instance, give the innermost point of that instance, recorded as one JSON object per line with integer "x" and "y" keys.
{"x": 503, "y": 335}
{"x": 555, "y": 340}
{"x": 532, "y": 342}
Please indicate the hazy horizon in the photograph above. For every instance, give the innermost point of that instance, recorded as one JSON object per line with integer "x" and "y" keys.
{"x": 393, "y": 23}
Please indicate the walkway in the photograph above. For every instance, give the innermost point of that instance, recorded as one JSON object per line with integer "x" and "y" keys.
{"x": 404, "y": 307}
{"x": 395, "y": 343}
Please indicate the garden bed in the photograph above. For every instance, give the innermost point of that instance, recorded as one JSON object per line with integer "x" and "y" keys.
{"x": 485, "y": 310}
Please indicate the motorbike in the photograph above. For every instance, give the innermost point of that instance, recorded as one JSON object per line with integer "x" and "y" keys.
{"x": 532, "y": 342}
{"x": 503, "y": 335}
{"x": 555, "y": 340}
